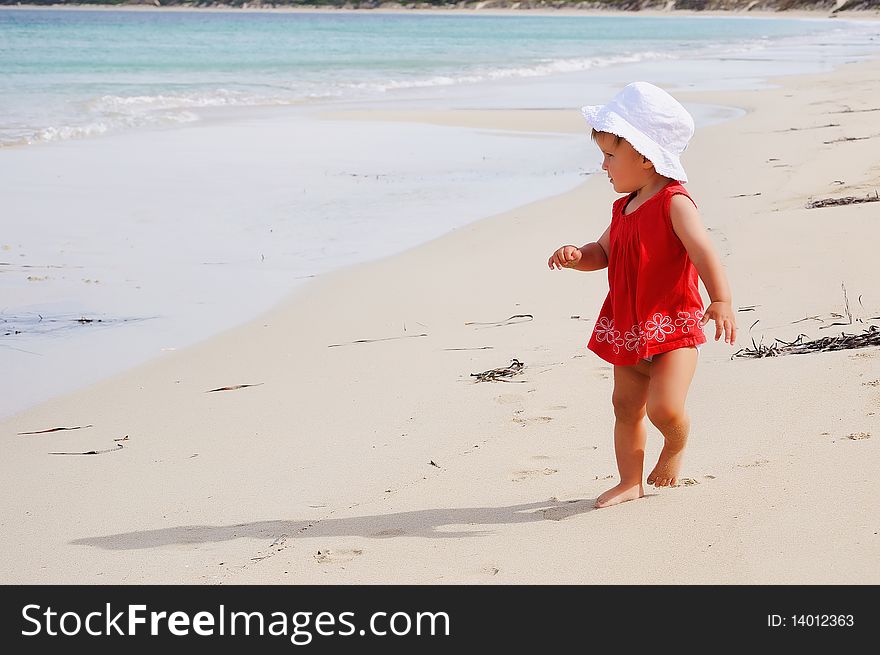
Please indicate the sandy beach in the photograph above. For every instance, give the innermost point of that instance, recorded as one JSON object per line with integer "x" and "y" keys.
{"x": 362, "y": 450}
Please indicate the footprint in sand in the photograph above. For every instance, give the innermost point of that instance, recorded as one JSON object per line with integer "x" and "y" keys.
{"x": 519, "y": 476}
{"x": 531, "y": 419}
{"x": 508, "y": 398}
{"x": 473, "y": 448}
{"x": 279, "y": 544}
{"x": 325, "y": 555}
{"x": 757, "y": 462}
{"x": 569, "y": 509}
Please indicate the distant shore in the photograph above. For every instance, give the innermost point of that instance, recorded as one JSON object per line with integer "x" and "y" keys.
{"x": 483, "y": 8}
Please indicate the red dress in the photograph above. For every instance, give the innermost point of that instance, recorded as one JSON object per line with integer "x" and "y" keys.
{"x": 653, "y": 303}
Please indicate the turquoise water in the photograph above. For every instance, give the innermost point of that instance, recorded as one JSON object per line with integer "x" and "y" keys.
{"x": 70, "y": 74}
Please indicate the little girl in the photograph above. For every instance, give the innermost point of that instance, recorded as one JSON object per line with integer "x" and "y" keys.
{"x": 650, "y": 326}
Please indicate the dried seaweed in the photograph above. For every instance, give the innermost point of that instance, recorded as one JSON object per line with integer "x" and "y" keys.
{"x": 848, "y": 200}
{"x": 236, "y": 386}
{"x": 76, "y": 427}
{"x": 846, "y": 309}
{"x": 850, "y": 138}
{"x": 807, "y": 318}
{"x": 477, "y": 348}
{"x": 348, "y": 343}
{"x": 515, "y": 368}
{"x": 869, "y": 337}
{"x": 810, "y": 127}
{"x": 507, "y": 321}
{"x": 852, "y": 111}
{"x": 94, "y": 452}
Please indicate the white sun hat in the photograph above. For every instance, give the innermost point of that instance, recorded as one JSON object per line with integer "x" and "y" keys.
{"x": 654, "y": 123}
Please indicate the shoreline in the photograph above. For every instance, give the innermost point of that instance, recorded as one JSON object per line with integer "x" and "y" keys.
{"x": 330, "y": 454}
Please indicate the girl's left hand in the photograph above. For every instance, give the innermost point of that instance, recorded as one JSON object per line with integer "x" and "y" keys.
{"x": 722, "y": 313}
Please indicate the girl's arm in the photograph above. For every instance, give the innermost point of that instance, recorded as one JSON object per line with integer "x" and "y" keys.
{"x": 688, "y": 226}
{"x": 594, "y": 256}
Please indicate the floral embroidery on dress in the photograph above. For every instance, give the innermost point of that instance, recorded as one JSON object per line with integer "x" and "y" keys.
{"x": 605, "y": 331}
{"x": 603, "y": 326}
{"x": 632, "y": 338}
{"x": 658, "y": 326}
{"x": 685, "y": 322}
{"x": 643, "y": 336}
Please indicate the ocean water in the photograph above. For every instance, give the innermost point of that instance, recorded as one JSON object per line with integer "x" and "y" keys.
{"x": 72, "y": 74}
{"x": 164, "y": 175}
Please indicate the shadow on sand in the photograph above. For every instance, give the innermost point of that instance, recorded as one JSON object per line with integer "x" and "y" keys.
{"x": 420, "y": 523}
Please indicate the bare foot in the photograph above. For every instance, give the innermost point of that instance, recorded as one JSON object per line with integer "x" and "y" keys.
{"x": 619, "y": 494}
{"x": 665, "y": 473}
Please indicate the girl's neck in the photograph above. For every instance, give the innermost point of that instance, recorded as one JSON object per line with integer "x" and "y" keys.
{"x": 651, "y": 188}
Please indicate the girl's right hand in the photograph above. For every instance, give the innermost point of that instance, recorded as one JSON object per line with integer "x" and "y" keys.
{"x": 565, "y": 257}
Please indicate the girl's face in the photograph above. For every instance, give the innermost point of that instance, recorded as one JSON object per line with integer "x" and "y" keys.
{"x": 626, "y": 168}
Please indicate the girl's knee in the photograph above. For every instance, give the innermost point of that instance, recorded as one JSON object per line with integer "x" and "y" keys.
{"x": 630, "y": 393}
{"x": 663, "y": 414}
{"x": 625, "y": 409}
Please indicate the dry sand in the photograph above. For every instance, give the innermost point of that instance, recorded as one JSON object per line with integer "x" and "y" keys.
{"x": 385, "y": 462}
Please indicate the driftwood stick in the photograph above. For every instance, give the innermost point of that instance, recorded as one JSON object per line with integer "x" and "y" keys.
{"x": 507, "y": 321}
{"x": 852, "y": 111}
{"x": 405, "y": 336}
{"x": 94, "y": 452}
{"x": 77, "y": 427}
{"x": 236, "y": 386}
{"x": 851, "y": 138}
{"x": 478, "y": 348}
{"x": 810, "y": 127}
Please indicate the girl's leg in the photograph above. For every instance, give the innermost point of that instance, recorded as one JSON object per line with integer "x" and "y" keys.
{"x": 671, "y": 375}
{"x": 629, "y": 399}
